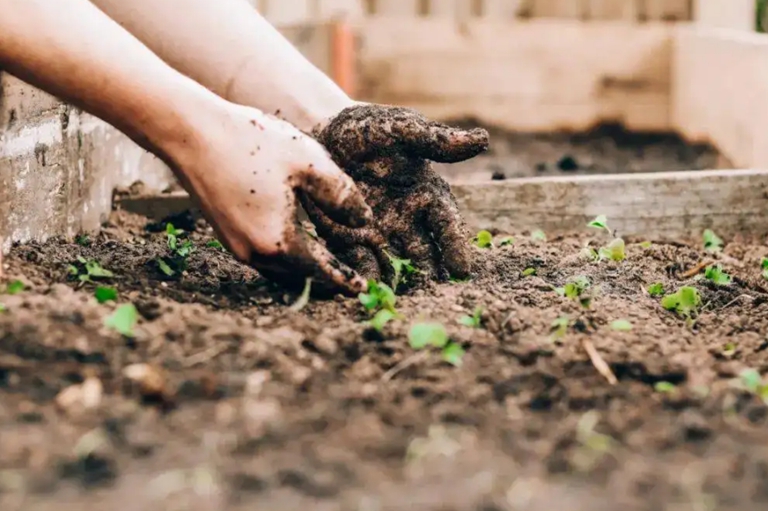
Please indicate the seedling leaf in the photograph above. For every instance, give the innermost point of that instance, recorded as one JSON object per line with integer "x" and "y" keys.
{"x": 474, "y": 320}
{"x": 615, "y": 250}
{"x": 381, "y": 318}
{"x": 95, "y": 270}
{"x": 506, "y": 241}
{"x": 2, "y": 308}
{"x": 453, "y": 353}
{"x": 716, "y": 275}
{"x": 538, "y": 235}
{"x": 104, "y": 294}
{"x": 379, "y": 295}
{"x": 729, "y": 350}
{"x": 422, "y": 335}
{"x": 215, "y": 244}
{"x": 601, "y": 222}
{"x": 751, "y": 380}
{"x": 560, "y": 327}
{"x": 656, "y": 289}
{"x": 402, "y": 268}
{"x": 621, "y": 325}
{"x": 646, "y": 244}
{"x": 685, "y": 301}
{"x": 484, "y": 239}
{"x": 712, "y": 242}
{"x": 529, "y": 272}
{"x": 165, "y": 267}
{"x": 764, "y": 266}
{"x": 123, "y": 319}
{"x": 303, "y": 299}
{"x": 15, "y": 287}
{"x": 664, "y": 387}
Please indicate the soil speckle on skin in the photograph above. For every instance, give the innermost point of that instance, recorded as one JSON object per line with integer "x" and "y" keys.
{"x": 278, "y": 409}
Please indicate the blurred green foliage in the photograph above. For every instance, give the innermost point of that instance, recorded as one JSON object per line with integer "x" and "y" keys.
{"x": 761, "y": 16}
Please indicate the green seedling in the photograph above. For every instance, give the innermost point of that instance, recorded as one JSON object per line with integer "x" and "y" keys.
{"x": 685, "y": 302}
{"x": 173, "y": 234}
{"x": 456, "y": 280}
{"x": 104, "y": 294}
{"x": 380, "y": 320}
{"x": 656, "y": 289}
{"x": 614, "y": 251}
{"x": 402, "y": 269}
{"x": 180, "y": 251}
{"x": 2, "y": 308}
{"x": 215, "y": 244}
{"x": 165, "y": 268}
{"x": 560, "y": 327}
{"x": 538, "y": 235}
{"x": 590, "y": 254}
{"x": 664, "y": 387}
{"x": 14, "y": 287}
{"x": 506, "y": 241}
{"x": 123, "y": 320}
{"x": 621, "y": 325}
{"x": 601, "y": 222}
{"x": 474, "y": 320}
{"x": 303, "y": 299}
{"x": 712, "y": 242}
{"x": 764, "y": 267}
{"x": 484, "y": 239}
{"x": 716, "y": 275}
{"x": 529, "y": 272}
{"x": 751, "y": 381}
{"x": 425, "y": 335}
{"x": 594, "y": 446}
{"x": 646, "y": 244}
{"x": 93, "y": 270}
{"x": 379, "y": 296}
{"x": 83, "y": 240}
{"x": 729, "y": 350}
{"x": 576, "y": 289}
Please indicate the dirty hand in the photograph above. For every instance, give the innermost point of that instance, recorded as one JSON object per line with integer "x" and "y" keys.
{"x": 245, "y": 170}
{"x": 387, "y": 151}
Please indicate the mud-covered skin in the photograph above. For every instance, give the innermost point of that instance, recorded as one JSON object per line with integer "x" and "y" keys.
{"x": 388, "y": 152}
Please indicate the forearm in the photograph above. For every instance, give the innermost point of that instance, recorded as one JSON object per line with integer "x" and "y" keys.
{"x": 72, "y": 50}
{"x": 231, "y": 49}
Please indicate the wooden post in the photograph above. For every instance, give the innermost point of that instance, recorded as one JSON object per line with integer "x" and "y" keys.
{"x": 343, "y": 58}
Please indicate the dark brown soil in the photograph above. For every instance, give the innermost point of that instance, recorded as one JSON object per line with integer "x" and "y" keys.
{"x": 265, "y": 408}
{"x": 606, "y": 149}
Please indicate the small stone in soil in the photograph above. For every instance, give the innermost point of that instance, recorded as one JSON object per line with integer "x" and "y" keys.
{"x": 568, "y": 163}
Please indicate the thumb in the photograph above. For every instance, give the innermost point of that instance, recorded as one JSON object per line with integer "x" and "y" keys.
{"x": 444, "y": 144}
{"x": 335, "y": 193}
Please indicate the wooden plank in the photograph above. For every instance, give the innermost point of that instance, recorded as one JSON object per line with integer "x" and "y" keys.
{"x": 667, "y": 10}
{"x": 626, "y": 10}
{"x": 570, "y": 9}
{"x": 502, "y": 9}
{"x": 657, "y": 205}
{"x": 405, "y": 8}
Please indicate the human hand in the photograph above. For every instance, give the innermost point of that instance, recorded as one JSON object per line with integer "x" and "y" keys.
{"x": 245, "y": 169}
{"x": 387, "y": 151}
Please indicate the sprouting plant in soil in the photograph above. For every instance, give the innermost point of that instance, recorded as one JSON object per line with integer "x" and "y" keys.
{"x": 506, "y": 241}
{"x": 381, "y": 318}
{"x": 716, "y": 275}
{"x": 484, "y": 239}
{"x": 104, "y": 294}
{"x": 600, "y": 222}
{"x": 379, "y": 296}
{"x": 473, "y": 321}
{"x": 216, "y": 244}
{"x": 402, "y": 269}
{"x": 559, "y": 328}
{"x": 538, "y": 235}
{"x": 621, "y": 325}
{"x": 764, "y": 267}
{"x": 14, "y": 287}
{"x": 593, "y": 446}
{"x": 656, "y": 289}
{"x": 577, "y": 289}
{"x": 303, "y": 299}
{"x": 664, "y": 387}
{"x": 88, "y": 270}
{"x": 179, "y": 251}
{"x": 123, "y": 320}
{"x": 729, "y": 350}
{"x": 712, "y": 242}
{"x": 751, "y": 381}
{"x": 685, "y": 302}
{"x": 615, "y": 250}
{"x": 426, "y": 335}
{"x": 528, "y": 272}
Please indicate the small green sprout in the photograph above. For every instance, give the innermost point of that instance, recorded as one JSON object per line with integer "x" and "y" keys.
{"x": 716, "y": 275}
{"x": 560, "y": 327}
{"x": 685, "y": 302}
{"x": 303, "y": 299}
{"x": 83, "y": 240}
{"x": 474, "y": 320}
{"x": 506, "y": 241}
{"x": 664, "y": 387}
{"x": 165, "y": 268}
{"x": 764, "y": 266}
{"x": 712, "y": 242}
{"x": 751, "y": 381}
{"x": 601, "y": 222}
{"x": 424, "y": 335}
{"x": 93, "y": 270}
{"x": 621, "y": 325}
{"x": 594, "y": 446}
{"x": 656, "y": 289}
{"x": 614, "y": 251}
{"x": 538, "y": 235}
{"x": 123, "y": 320}
{"x": 729, "y": 350}
{"x": 484, "y": 239}
{"x": 456, "y": 280}
{"x": 590, "y": 254}
{"x": 2, "y": 308}
{"x": 646, "y": 244}
{"x": 529, "y": 272}
{"x": 215, "y": 244}
{"x": 575, "y": 289}
{"x": 379, "y": 296}
{"x": 14, "y": 287}
{"x": 402, "y": 268}
{"x": 104, "y": 294}
{"x": 173, "y": 234}
{"x": 381, "y": 318}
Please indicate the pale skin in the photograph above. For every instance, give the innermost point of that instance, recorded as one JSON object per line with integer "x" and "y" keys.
{"x": 191, "y": 80}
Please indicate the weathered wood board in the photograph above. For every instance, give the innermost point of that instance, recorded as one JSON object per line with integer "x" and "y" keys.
{"x": 658, "y": 205}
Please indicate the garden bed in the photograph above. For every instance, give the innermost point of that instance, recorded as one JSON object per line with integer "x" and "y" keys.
{"x": 262, "y": 406}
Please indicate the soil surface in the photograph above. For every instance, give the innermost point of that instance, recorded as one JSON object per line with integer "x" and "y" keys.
{"x": 607, "y": 149}
{"x": 248, "y": 404}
